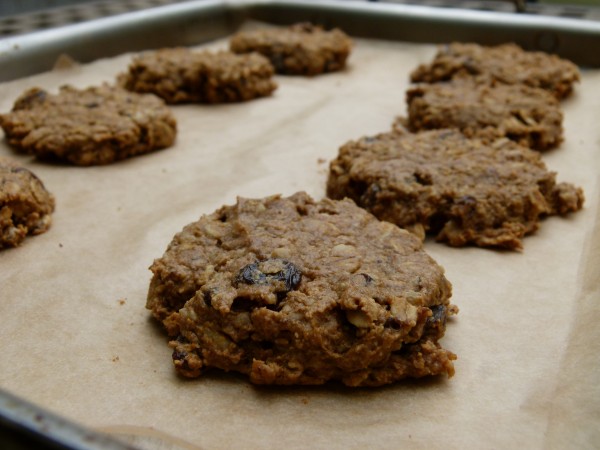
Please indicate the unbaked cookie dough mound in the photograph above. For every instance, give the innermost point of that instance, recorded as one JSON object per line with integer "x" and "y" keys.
{"x": 300, "y": 49}
{"x": 25, "y": 204}
{"x": 507, "y": 63}
{"x": 181, "y": 75}
{"x": 293, "y": 291}
{"x": 463, "y": 191}
{"x": 93, "y": 126}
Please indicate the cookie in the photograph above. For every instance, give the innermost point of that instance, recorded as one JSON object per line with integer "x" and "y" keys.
{"x": 528, "y": 116}
{"x": 25, "y": 204}
{"x": 180, "y": 75}
{"x": 507, "y": 63}
{"x": 293, "y": 291}
{"x": 93, "y": 126}
{"x": 300, "y": 49}
{"x": 461, "y": 190}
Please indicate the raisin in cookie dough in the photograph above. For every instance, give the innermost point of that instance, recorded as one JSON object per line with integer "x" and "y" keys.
{"x": 293, "y": 291}
{"x": 93, "y": 126}
{"x": 529, "y": 116}
{"x": 180, "y": 75}
{"x": 507, "y": 63}
{"x": 25, "y": 204}
{"x": 300, "y": 49}
{"x": 462, "y": 190}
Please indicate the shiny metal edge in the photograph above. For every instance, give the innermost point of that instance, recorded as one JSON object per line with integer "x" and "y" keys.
{"x": 200, "y": 21}
{"x": 164, "y": 26}
{"x": 33, "y": 427}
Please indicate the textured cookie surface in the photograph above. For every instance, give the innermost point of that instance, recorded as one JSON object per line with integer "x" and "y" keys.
{"x": 528, "y": 116}
{"x": 180, "y": 75}
{"x": 461, "y": 190}
{"x": 507, "y": 63}
{"x": 293, "y": 291}
{"x": 25, "y": 204}
{"x": 301, "y": 49}
{"x": 97, "y": 125}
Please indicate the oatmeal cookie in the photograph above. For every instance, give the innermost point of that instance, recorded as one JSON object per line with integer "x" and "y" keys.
{"x": 528, "y": 116}
{"x": 25, "y": 204}
{"x": 300, "y": 49}
{"x": 180, "y": 75}
{"x": 507, "y": 63}
{"x": 462, "y": 190}
{"x": 93, "y": 126}
{"x": 293, "y": 291}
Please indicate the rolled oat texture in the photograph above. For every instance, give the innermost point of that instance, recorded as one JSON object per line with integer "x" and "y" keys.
{"x": 93, "y": 126}
{"x": 461, "y": 190}
{"x": 529, "y": 116}
{"x": 181, "y": 75}
{"x": 507, "y": 63}
{"x": 293, "y": 291}
{"x": 25, "y": 204}
{"x": 300, "y": 49}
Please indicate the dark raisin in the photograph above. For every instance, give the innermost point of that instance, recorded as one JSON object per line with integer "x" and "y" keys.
{"x": 438, "y": 316}
{"x": 292, "y": 277}
{"x": 267, "y": 271}
{"x": 178, "y": 356}
{"x": 250, "y": 274}
{"x": 393, "y": 323}
{"x": 368, "y": 195}
{"x": 435, "y": 324}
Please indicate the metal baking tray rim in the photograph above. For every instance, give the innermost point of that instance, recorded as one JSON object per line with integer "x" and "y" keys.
{"x": 195, "y": 22}
{"x": 200, "y": 21}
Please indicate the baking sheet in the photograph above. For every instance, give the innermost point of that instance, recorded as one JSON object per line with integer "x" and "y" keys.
{"x": 77, "y": 340}
{"x": 198, "y": 21}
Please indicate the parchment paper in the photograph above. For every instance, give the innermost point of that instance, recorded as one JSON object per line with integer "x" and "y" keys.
{"x": 76, "y": 338}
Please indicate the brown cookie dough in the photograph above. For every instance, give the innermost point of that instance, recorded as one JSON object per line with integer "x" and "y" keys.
{"x": 25, "y": 204}
{"x": 301, "y": 49}
{"x": 293, "y": 291}
{"x": 528, "y": 116}
{"x": 93, "y": 126}
{"x": 180, "y": 75}
{"x": 507, "y": 63}
{"x": 461, "y": 190}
